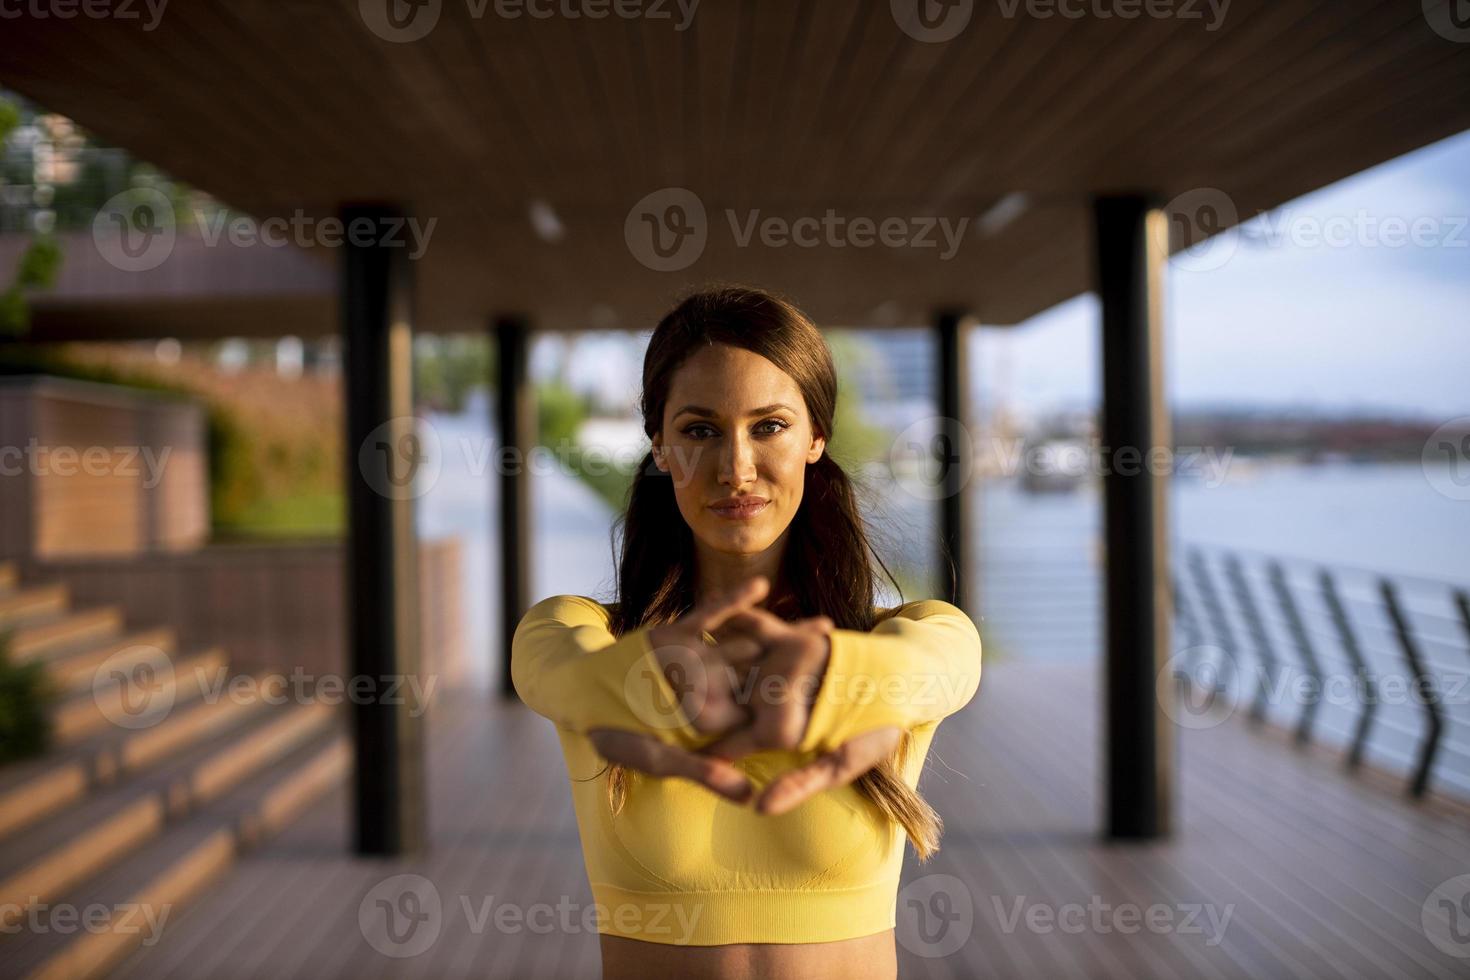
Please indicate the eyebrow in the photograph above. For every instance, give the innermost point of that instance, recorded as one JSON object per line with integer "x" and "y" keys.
{"x": 710, "y": 413}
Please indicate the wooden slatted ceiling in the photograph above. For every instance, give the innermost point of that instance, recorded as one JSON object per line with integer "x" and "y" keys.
{"x": 786, "y": 107}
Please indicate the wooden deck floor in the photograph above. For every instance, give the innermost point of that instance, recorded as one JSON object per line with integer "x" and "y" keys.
{"x": 1320, "y": 873}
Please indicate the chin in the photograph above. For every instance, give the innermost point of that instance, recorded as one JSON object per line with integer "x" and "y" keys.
{"x": 752, "y": 540}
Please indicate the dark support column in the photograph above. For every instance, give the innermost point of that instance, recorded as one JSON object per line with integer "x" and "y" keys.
{"x": 954, "y": 462}
{"x": 382, "y": 552}
{"x": 1132, "y": 250}
{"x": 516, "y": 422}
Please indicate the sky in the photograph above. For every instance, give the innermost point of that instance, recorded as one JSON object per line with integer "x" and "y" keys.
{"x": 1291, "y": 321}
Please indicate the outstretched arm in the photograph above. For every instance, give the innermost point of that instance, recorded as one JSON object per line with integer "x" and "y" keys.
{"x": 918, "y": 666}
{"x": 569, "y": 667}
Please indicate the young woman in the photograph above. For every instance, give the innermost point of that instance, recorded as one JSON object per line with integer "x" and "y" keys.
{"x": 743, "y": 728}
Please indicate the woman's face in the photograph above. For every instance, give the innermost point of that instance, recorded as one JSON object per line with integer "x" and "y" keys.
{"x": 735, "y": 425}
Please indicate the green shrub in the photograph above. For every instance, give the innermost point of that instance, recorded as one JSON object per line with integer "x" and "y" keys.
{"x": 26, "y": 694}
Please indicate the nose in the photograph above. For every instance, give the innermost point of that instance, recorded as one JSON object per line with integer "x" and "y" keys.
{"x": 737, "y": 461}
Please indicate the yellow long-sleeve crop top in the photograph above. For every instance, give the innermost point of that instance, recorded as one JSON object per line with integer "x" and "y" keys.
{"x": 682, "y": 865}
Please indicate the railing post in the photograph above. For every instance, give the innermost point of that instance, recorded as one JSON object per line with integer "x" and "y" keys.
{"x": 1462, "y": 603}
{"x": 1270, "y": 672}
{"x": 1204, "y": 582}
{"x": 1423, "y": 680}
{"x": 1303, "y": 647}
{"x": 1350, "y": 645}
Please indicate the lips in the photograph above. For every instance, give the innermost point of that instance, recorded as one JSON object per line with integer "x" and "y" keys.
{"x": 740, "y": 511}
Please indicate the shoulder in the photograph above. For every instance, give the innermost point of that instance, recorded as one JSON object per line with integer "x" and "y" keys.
{"x": 924, "y": 609}
{"x": 572, "y": 610}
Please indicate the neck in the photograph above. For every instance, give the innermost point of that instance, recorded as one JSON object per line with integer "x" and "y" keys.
{"x": 720, "y": 571}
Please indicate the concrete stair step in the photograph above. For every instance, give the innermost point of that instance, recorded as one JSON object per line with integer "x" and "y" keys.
{"x": 74, "y": 670}
{"x": 42, "y": 864}
{"x": 163, "y": 876}
{"x": 31, "y": 790}
{"x": 29, "y": 604}
{"x": 68, "y": 632}
{"x": 118, "y": 692}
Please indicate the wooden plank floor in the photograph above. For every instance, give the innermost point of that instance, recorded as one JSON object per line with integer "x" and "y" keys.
{"x": 1308, "y": 872}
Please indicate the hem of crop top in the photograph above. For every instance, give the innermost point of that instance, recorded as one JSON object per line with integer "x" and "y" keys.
{"x": 719, "y": 918}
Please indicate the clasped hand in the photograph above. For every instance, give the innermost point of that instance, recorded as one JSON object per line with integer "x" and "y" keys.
{"x": 754, "y": 688}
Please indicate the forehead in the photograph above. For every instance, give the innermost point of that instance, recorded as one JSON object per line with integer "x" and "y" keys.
{"x": 730, "y": 379}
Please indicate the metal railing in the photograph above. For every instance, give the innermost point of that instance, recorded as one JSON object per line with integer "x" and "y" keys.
{"x": 1256, "y": 625}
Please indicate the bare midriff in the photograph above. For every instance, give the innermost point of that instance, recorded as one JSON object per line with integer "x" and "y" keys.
{"x": 864, "y": 958}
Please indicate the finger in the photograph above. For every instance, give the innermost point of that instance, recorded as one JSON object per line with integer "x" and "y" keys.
{"x": 764, "y": 626}
{"x": 821, "y": 624}
{"x": 836, "y": 768}
{"x": 740, "y": 742}
{"x": 646, "y": 754}
{"x": 738, "y": 650}
{"x": 779, "y": 687}
{"x": 706, "y": 686}
{"x": 723, "y": 605}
